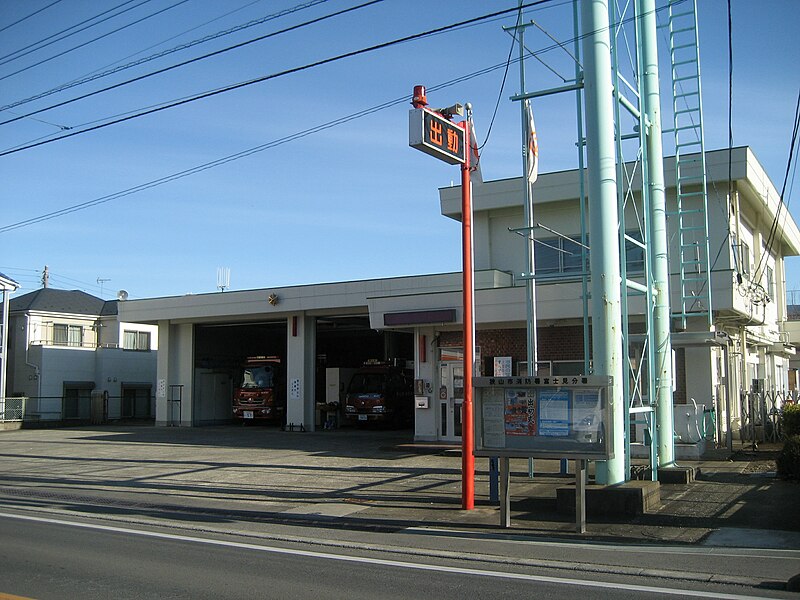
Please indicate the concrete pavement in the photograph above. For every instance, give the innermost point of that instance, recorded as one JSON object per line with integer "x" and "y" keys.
{"x": 258, "y": 478}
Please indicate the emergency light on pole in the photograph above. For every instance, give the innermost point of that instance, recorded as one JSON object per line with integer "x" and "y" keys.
{"x": 433, "y": 132}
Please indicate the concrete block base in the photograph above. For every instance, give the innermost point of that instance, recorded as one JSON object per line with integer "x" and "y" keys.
{"x": 625, "y": 499}
{"x": 676, "y": 475}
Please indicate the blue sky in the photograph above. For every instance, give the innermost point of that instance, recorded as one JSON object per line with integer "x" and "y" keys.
{"x": 348, "y": 202}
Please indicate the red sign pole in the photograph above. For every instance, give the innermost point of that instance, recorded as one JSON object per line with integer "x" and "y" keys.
{"x": 467, "y": 439}
{"x": 446, "y": 147}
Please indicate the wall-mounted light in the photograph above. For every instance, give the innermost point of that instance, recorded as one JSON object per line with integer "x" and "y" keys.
{"x": 273, "y": 299}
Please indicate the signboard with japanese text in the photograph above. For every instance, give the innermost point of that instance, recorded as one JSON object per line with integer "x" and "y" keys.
{"x": 435, "y": 135}
{"x": 543, "y": 417}
{"x": 502, "y": 366}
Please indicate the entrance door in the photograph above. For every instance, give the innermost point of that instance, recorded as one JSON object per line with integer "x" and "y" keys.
{"x": 136, "y": 402}
{"x": 451, "y": 400}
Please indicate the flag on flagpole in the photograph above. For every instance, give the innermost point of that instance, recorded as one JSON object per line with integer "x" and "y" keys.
{"x": 533, "y": 146}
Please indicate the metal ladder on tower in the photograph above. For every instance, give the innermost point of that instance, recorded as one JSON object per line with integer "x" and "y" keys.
{"x": 690, "y": 165}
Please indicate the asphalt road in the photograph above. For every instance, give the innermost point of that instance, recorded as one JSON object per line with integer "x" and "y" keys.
{"x": 46, "y": 556}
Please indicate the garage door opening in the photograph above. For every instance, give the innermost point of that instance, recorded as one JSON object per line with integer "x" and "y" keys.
{"x": 343, "y": 344}
{"x": 220, "y": 351}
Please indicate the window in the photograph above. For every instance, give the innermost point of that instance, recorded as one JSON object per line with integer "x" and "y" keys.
{"x": 136, "y": 340}
{"x": 67, "y": 335}
{"x": 562, "y": 255}
{"x": 634, "y": 253}
{"x": 770, "y": 283}
{"x": 744, "y": 259}
{"x": 571, "y": 260}
{"x": 558, "y": 255}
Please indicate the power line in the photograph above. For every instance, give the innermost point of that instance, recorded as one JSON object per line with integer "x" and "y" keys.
{"x": 193, "y": 60}
{"x": 49, "y": 39}
{"x": 502, "y": 84}
{"x": 781, "y": 204}
{"x": 100, "y": 37}
{"x": 263, "y": 78}
{"x": 266, "y": 146}
{"x": 25, "y": 18}
{"x": 180, "y": 47}
{"x": 242, "y": 154}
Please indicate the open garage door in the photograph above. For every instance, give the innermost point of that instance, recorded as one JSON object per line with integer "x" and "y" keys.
{"x": 220, "y": 350}
{"x": 344, "y": 345}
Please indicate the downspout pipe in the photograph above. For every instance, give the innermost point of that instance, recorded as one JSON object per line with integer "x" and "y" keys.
{"x": 651, "y": 107}
{"x": 4, "y": 354}
{"x": 36, "y": 368}
{"x": 604, "y": 227}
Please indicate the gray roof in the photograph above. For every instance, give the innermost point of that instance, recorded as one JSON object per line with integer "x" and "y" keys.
{"x": 63, "y": 301}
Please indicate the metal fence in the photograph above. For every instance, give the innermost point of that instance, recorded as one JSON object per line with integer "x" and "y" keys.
{"x": 13, "y": 409}
{"x": 76, "y": 409}
{"x": 761, "y": 414}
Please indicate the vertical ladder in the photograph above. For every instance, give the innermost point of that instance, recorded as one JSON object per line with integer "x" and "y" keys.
{"x": 690, "y": 165}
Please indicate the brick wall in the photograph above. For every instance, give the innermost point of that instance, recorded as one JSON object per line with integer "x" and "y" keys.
{"x": 555, "y": 343}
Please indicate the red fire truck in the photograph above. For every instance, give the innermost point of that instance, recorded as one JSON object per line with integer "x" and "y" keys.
{"x": 260, "y": 390}
{"x": 380, "y": 392}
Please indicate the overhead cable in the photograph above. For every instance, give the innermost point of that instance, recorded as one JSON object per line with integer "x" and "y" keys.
{"x": 257, "y": 149}
{"x": 53, "y": 38}
{"x": 242, "y": 154}
{"x": 180, "y": 47}
{"x": 260, "y": 148}
{"x": 263, "y": 78}
{"x": 98, "y": 38}
{"x": 192, "y": 60}
{"x": 26, "y": 17}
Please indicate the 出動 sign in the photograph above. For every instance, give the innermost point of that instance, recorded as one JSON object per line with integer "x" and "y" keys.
{"x": 435, "y": 135}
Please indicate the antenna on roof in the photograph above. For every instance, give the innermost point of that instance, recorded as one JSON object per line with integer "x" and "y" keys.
{"x": 122, "y": 295}
{"x": 100, "y": 282}
{"x": 223, "y": 278}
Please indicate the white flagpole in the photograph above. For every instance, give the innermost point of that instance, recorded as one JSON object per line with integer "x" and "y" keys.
{"x": 531, "y": 162}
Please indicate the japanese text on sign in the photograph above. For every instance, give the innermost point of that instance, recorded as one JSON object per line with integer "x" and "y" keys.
{"x": 435, "y": 135}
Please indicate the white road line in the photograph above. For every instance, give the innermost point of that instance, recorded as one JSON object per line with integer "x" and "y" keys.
{"x": 378, "y": 561}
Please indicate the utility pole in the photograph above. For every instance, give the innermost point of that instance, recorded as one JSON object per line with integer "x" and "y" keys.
{"x": 651, "y": 107}
{"x": 45, "y": 277}
{"x": 604, "y": 226}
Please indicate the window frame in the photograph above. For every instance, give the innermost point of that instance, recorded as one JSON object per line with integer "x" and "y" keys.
{"x": 141, "y": 340}
{"x": 68, "y": 335}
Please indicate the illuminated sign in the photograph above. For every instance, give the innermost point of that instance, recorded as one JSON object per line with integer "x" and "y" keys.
{"x": 433, "y": 134}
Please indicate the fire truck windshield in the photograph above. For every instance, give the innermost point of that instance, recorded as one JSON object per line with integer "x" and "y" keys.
{"x": 258, "y": 377}
{"x": 367, "y": 383}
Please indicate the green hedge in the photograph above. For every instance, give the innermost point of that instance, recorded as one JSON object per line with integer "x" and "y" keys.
{"x": 790, "y": 420}
{"x": 788, "y": 461}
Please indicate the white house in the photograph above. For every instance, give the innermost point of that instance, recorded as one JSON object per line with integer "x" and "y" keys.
{"x": 66, "y": 345}
{"x": 7, "y": 286}
{"x": 317, "y": 328}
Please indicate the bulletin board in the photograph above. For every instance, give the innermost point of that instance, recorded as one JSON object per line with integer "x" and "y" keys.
{"x": 543, "y": 417}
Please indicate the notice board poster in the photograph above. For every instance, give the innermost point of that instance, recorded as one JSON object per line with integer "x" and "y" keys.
{"x": 520, "y": 412}
{"x": 554, "y": 412}
{"x": 493, "y": 417}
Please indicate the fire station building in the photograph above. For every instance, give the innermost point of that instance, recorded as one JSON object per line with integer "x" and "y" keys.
{"x": 324, "y": 331}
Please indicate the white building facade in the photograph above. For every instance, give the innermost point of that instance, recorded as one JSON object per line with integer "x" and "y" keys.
{"x": 66, "y": 346}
